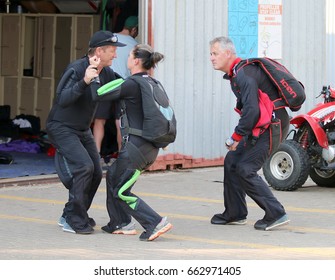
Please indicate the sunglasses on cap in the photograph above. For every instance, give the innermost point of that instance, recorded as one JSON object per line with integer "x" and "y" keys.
{"x": 113, "y": 39}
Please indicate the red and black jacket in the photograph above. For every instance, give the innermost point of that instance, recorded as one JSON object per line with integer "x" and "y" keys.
{"x": 248, "y": 83}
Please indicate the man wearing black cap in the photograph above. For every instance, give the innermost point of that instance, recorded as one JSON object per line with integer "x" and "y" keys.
{"x": 68, "y": 127}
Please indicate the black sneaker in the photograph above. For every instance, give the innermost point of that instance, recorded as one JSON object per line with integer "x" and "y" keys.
{"x": 218, "y": 219}
{"x": 262, "y": 225}
{"x": 91, "y": 222}
{"x": 144, "y": 236}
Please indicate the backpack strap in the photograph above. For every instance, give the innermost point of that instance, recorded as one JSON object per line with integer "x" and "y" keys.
{"x": 125, "y": 128}
{"x": 125, "y": 123}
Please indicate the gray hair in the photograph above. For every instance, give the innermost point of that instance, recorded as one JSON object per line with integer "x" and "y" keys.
{"x": 225, "y": 43}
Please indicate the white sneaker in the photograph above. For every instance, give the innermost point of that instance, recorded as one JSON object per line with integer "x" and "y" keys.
{"x": 160, "y": 229}
{"x": 61, "y": 221}
{"x": 127, "y": 229}
{"x": 68, "y": 228}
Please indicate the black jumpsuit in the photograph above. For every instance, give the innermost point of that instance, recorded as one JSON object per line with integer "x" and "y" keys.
{"x": 136, "y": 155}
{"x": 241, "y": 166}
{"x": 68, "y": 128}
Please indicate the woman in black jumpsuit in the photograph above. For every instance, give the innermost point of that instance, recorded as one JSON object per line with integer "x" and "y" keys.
{"x": 136, "y": 155}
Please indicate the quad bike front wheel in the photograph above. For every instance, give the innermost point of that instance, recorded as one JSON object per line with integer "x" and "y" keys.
{"x": 287, "y": 169}
{"x": 323, "y": 178}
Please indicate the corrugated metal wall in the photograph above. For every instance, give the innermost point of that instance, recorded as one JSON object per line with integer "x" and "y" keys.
{"x": 304, "y": 45}
{"x": 202, "y": 100}
{"x": 330, "y": 41}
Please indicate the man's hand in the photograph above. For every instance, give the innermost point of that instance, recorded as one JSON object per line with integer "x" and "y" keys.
{"x": 90, "y": 73}
{"x": 94, "y": 61}
{"x": 234, "y": 146}
{"x": 231, "y": 144}
{"x": 92, "y": 70}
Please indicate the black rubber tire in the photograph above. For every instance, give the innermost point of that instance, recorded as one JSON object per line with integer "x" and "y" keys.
{"x": 287, "y": 169}
{"x": 323, "y": 178}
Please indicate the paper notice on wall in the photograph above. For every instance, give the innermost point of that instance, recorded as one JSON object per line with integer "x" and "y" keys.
{"x": 270, "y": 28}
{"x": 243, "y": 27}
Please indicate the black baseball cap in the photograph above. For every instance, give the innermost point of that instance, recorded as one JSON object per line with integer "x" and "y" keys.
{"x": 104, "y": 38}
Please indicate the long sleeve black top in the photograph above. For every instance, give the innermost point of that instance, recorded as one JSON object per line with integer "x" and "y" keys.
{"x": 73, "y": 104}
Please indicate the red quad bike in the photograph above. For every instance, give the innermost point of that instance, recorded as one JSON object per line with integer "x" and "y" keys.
{"x": 311, "y": 151}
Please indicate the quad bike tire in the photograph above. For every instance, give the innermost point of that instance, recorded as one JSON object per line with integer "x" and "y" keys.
{"x": 323, "y": 178}
{"x": 288, "y": 168}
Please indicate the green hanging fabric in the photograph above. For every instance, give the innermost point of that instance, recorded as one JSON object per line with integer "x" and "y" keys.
{"x": 104, "y": 16}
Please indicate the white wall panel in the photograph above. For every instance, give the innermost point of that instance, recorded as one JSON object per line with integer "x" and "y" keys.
{"x": 182, "y": 31}
{"x": 304, "y": 38}
{"x": 330, "y": 41}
